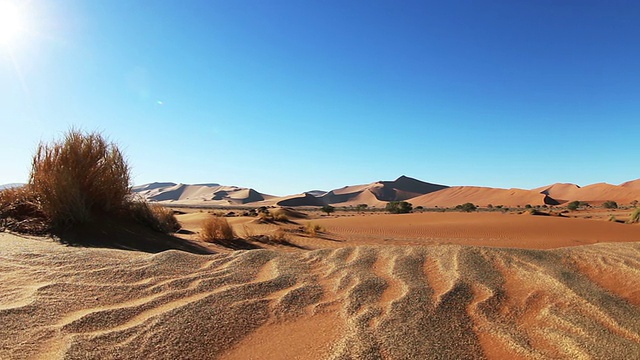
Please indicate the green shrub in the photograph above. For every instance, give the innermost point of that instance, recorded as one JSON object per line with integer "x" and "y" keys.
{"x": 80, "y": 177}
{"x": 610, "y": 204}
{"x": 328, "y": 209}
{"x": 573, "y": 205}
{"x": 399, "y": 207}
{"x": 467, "y": 207}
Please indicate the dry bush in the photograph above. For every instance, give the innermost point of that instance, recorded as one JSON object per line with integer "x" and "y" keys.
{"x": 80, "y": 177}
{"x": 154, "y": 216}
{"x": 278, "y": 237}
{"x": 635, "y": 216}
{"x": 21, "y": 211}
{"x": 313, "y": 229}
{"x": 215, "y": 229}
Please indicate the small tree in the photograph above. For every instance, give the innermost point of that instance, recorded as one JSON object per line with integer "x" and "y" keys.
{"x": 610, "y": 204}
{"x": 399, "y": 207}
{"x": 328, "y": 209}
{"x": 361, "y": 207}
{"x": 574, "y": 205}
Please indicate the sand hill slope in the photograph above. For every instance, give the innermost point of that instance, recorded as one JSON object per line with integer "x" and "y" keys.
{"x": 212, "y": 194}
{"x": 481, "y": 196}
{"x": 432, "y": 302}
{"x": 377, "y": 194}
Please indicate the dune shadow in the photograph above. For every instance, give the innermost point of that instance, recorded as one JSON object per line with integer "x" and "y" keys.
{"x": 126, "y": 236}
{"x": 238, "y": 244}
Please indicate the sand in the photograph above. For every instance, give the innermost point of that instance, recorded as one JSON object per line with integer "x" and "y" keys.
{"x": 350, "y": 302}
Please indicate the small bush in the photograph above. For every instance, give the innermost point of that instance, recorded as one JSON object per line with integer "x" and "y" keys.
{"x": 280, "y": 215}
{"x": 80, "y": 177}
{"x": 156, "y": 217}
{"x": 573, "y": 205}
{"x": 216, "y": 229}
{"x": 467, "y": 207}
{"x": 635, "y": 216}
{"x": 21, "y": 211}
{"x": 610, "y": 204}
{"x": 399, "y": 207}
{"x": 313, "y": 229}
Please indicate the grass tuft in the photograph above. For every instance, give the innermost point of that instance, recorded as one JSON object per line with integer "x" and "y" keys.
{"x": 216, "y": 229}
{"x": 635, "y": 216}
{"x": 313, "y": 229}
{"x": 80, "y": 177}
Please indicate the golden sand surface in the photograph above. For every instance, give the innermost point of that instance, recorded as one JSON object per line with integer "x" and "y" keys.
{"x": 350, "y": 302}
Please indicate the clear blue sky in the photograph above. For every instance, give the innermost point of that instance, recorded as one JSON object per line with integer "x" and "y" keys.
{"x": 288, "y": 96}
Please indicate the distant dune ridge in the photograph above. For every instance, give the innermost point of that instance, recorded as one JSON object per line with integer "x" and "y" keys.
{"x": 377, "y": 194}
{"x": 384, "y": 302}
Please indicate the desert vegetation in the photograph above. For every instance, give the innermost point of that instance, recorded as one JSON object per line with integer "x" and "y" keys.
{"x": 216, "y": 229}
{"x": 467, "y": 207}
{"x": 328, "y": 209}
{"x": 635, "y": 216}
{"x": 77, "y": 180}
{"x": 399, "y": 207}
{"x": 610, "y": 204}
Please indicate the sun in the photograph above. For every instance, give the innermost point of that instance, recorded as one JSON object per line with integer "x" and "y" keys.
{"x": 11, "y": 23}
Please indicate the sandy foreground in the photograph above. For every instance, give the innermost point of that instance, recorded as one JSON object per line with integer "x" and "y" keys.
{"x": 436, "y": 299}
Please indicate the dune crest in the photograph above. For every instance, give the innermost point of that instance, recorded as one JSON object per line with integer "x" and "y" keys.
{"x": 427, "y": 302}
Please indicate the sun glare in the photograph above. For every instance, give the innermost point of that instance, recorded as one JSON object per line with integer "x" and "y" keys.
{"x": 11, "y": 23}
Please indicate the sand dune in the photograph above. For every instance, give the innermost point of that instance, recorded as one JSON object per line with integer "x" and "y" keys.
{"x": 423, "y": 302}
{"x": 481, "y": 196}
{"x": 211, "y": 194}
{"x": 377, "y": 194}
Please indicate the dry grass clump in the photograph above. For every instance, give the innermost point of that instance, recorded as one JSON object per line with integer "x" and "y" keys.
{"x": 154, "y": 216}
{"x": 313, "y": 229}
{"x": 278, "y": 237}
{"x": 21, "y": 211}
{"x": 635, "y": 216}
{"x": 215, "y": 229}
{"x": 80, "y": 177}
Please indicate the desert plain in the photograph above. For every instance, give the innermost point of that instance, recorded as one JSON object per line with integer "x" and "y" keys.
{"x": 366, "y": 285}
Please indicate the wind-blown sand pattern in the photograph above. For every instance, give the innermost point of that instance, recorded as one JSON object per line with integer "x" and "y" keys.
{"x": 416, "y": 302}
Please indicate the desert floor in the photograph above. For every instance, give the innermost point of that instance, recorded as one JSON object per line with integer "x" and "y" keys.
{"x": 368, "y": 286}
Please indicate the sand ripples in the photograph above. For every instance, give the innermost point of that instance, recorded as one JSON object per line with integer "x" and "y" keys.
{"x": 436, "y": 302}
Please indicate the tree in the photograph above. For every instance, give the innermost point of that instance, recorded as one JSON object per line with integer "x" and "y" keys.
{"x": 399, "y": 207}
{"x": 361, "y": 207}
{"x": 610, "y": 204}
{"x": 328, "y": 209}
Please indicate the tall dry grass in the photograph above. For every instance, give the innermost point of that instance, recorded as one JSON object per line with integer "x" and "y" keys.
{"x": 156, "y": 217}
{"x": 21, "y": 211}
{"x": 79, "y": 177}
{"x": 635, "y": 216}
{"x": 216, "y": 229}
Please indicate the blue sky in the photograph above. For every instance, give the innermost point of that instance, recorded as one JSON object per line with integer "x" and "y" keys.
{"x": 289, "y": 96}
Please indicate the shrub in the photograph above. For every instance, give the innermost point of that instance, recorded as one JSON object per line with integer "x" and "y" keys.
{"x": 610, "y": 204}
{"x": 573, "y": 205}
{"x": 399, "y": 207}
{"x": 635, "y": 216}
{"x": 280, "y": 215}
{"x": 80, "y": 177}
{"x": 328, "y": 209}
{"x": 467, "y": 207}
{"x": 216, "y": 229}
{"x": 528, "y": 206}
{"x": 21, "y": 211}
{"x": 156, "y": 217}
{"x": 313, "y": 229}
{"x": 361, "y": 207}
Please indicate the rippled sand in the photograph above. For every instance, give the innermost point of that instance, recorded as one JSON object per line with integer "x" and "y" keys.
{"x": 367, "y": 302}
